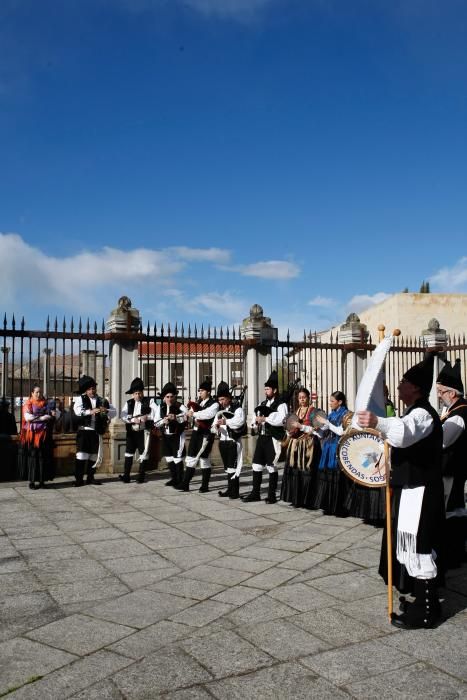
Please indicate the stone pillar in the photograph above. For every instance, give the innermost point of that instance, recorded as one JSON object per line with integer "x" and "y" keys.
{"x": 100, "y": 374}
{"x": 259, "y": 335}
{"x": 124, "y": 325}
{"x": 5, "y": 350}
{"x": 435, "y": 338}
{"x": 87, "y": 361}
{"x": 46, "y": 376}
{"x": 353, "y": 334}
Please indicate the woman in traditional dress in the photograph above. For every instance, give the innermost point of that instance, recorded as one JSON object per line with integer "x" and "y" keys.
{"x": 331, "y": 484}
{"x": 303, "y": 452}
{"x": 37, "y": 463}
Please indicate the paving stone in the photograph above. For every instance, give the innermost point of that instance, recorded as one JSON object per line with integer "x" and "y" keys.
{"x": 79, "y": 634}
{"x": 99, "y": 535}
{"x": 196, "y": 693}
{"x": 12, "y": 563}
{"x": 11, "y": 583}
{"x": 105, "y": 690}
{"x": 444, "y": 647}
{"x": 25, "y": 611}
{"x": 372, "y": 611}
{"x": 207, "y": 529}
{"x": 165, "y": 539}
{"x": 289, "y": 680}
{"x": 87, "y": 590}
{"x": 265, "y": 553}
{"x": 148, "y": 640}
{"x": 298, "y": 596}
{"x": 187, "y": 557}
{"x": 271, "y": 578}
{"x": 215, "y": 574}
{"x": 202, "y": 613}
{"x": 225, "y": 653}
{"x": 125, "y": 547}
{"x": 36, "y": 543}
{"x": 288, "y": 545}
{"x": 243, "y": 563}
{"x": 349, "y": 586}
{"x": 258, "y": 525}
{"x": 69, "y": 526}
{"x": 174, "y": 515}
{"x": 416, "y": 681}
{"x": 238, "y": 595}
{"x": 260, "y": 609}
{"x": 69, "y": 570}
{"x": 23, "y": 659}
{"x": 175, "y": 669}
{"x": 364, "y": 556}
{"x": 129, "y": 565}
{"x": 140, "y": 608}
{"x": 188, "y": 588}
{"x": 331, "y": 565}
{"x": 74, "y": 677}
{"x": 361, "y": 660}
{"x": 143, "y": 579}
{"x": 24, "y": 533}
{"x": 334, "y": 627}
{"x": 282, "y": 640}
{"x": 304, "y": 561}
{"x": 139, "y": 525}
{"x": 72, "y": 551}
{"x": 234, "y": 542}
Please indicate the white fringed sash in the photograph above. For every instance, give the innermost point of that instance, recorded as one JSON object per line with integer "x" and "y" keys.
{"x": 410, "y": 508}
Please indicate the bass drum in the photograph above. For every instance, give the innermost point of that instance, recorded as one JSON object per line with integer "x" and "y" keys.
{"x": 361, "y": 457}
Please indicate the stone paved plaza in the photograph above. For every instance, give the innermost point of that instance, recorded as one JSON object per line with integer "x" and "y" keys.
{"x": 140, "y": 591}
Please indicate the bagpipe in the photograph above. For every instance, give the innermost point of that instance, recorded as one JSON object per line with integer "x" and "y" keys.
{"x": 263, "y": 411}
{"x": 237, "y": 402}
{"x": 203, "y": 424}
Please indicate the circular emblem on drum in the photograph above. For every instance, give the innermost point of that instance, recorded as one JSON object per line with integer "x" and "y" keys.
{"x": 361, "y": 456}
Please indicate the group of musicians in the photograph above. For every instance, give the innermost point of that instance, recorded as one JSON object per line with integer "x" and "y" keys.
{"x": 421, "y": 443}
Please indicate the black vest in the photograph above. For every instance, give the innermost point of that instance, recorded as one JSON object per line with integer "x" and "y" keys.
{"x": 101, "y": 419}
{"x": 204, "y": 424}
{"x": 275, "y": 431}
{"x": 173, "y": 427}
{"x": 455, "y": 456}
{"x": 239, "y": 432}
{"x": 419, "y": 464}
{"x": 145, "y": 411}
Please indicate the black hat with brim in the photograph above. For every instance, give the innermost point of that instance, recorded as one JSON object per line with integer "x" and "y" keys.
{"x": 450, "y": 376}
{"x": 273, "y": 381}
{"x": 421, "y": 374}
{"x": 85, "y": 383}
{"x": 223, "y": 390}
{"x": 207, "y": 386}
{"x": 136, "y": 385}
{"x": 168, "y": 388}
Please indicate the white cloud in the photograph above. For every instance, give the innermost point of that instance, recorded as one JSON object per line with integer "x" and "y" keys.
{"x": 359, "y": 302}
{"x": 451, "y": 279}
{"x": 270, "y": 269}
{"x": 323, "y": 302}
{"x": 215, "y": 255}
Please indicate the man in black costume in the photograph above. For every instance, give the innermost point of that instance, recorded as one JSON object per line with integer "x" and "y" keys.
{"x": 230, "y": 427}
{"x": 137, "y": 414}
{"x": 454, "y": 421}
{"x": 269, "y": 420}
{"x": 170, "y": 418}
{"x": 418, "y": 501}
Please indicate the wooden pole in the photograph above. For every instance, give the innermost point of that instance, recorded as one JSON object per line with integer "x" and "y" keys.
{"x": 388, "y": 529}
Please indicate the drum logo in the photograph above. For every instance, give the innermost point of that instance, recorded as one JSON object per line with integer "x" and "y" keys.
{"x": 361, "y": 456}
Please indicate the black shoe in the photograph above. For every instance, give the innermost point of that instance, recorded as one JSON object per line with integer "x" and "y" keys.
{"x": 140, "y": 479}
{"x": 78, "y": 483}
{"x": 170, "y": 482}
{"x": 404, "y": 622}
{"x": 93, "y": 482}
{"x": 255, "y": 493}
{"x": 33, "y": 486}
{"x": 125, "y": 478}
{"x": 271, "y": 497}
{"x": 224, "y": 494}
{"x": 205, "y": 476}
{"x": 252, "y": 496}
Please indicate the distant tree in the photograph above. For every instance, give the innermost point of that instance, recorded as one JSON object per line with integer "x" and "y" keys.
{"x": 405, "y": 290}
{"x": 425, "y": 287}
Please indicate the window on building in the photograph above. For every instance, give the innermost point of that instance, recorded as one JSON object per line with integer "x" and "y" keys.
{"x": 236, "y": 374}
{"x": 205, "y": 372}
{"x": 176, "y": 374}
{"x": 149, "y": 374}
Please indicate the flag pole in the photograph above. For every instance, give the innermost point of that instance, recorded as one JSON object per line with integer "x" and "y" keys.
{"x": 388, "y": 529}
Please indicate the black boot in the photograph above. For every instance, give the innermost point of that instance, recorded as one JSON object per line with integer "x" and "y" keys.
{"x": 178, "y": 474}
{"x": 234, "y": 487}
{"x": 226, "y": 493}
{"x": 90, "y": 476}
{"x": 125, "y": 477}
{"x": 205, "y": 476}
{"x": 273, "y": 478}
{"x": 255, "y": 493}
{"x": 173, "y": 472}
{"x": 141, "y": 478}
{"x": 185, "y": 484}
{"x": 80, "y": 466}
{"x": 424, "y": 612}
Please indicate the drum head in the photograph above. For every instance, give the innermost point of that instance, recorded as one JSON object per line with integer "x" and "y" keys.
{"x": 317, "y": 412}
{"x": 361, "y": 457}
{"x": 290, "y": 422}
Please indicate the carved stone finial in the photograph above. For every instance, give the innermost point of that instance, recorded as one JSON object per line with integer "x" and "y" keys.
{"x": 433, "y": 324}
{"x": 256, "y": 311}
{"x": 352, "y": 318}
{"x": 124, "y": 303}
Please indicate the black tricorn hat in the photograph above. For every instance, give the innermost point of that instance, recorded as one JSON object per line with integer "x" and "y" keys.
{"x": 169, "y": 388}
{"x": 206, "y": 385}
{"x": 136, "y": 385}
{"x": 85, "y": 383}
{"x": 450, "y": 377}
{"x": 421, "y": 375}
{"x": 223, "y": 390}
{"x": 273, "y": 381}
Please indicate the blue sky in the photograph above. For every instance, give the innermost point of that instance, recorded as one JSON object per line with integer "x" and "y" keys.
{"x": 200, "y": 156}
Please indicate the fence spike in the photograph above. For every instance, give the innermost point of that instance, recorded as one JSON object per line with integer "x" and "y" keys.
{"x": 196, "y": 331}
{"x": 176, "y": 329}
{"x": 80, "y": 325}
{"x": 72, "y": 325}
{"x": 168, "y": 329}
{"x": 162, "y": 329}
{"x": 288, "y": 336}
{"x": 95, "y": 326}
{"x": 189, "y": 330}
{"x": 22, "y": 323}
{"x": 209, "y": 331}
{"x": 182, "y": 331}
{"x": 202, "y": 331}
{"x": 56, "y": 325}
{"x": 148, "y": 330}
{"x": 228, "y": 333}
{"x": 103, "y": 326}
{"x": 215, "y": 332}
{"x": 4, "y": 322}
{"x": 13, "y": 322}
{"x": 87, "y": 325}
{"x": 64, "y": 324}
{"x": 221, "y": 333}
